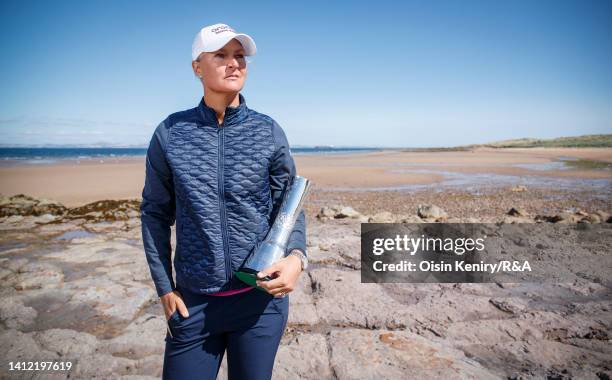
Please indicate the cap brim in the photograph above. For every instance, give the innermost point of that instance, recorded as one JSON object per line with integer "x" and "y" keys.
{"x": 245, "y": 40}
{"x": 247, "y": 43}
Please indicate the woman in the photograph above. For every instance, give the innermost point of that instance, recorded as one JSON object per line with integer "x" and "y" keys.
{"x": 218, "y": 170}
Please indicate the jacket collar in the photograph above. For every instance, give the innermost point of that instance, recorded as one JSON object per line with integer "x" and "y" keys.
{"x": 233, "y": 115}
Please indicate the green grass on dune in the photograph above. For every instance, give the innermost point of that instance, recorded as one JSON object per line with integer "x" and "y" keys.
{"x": 593, "y": 141}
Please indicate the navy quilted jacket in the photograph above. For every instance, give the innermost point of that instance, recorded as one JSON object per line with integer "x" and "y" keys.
{"x": 222, "y": 185}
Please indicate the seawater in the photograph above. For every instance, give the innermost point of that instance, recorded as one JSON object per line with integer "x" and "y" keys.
{"x": 42, "y": 156}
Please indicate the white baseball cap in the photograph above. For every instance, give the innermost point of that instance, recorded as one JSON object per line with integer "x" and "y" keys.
{"x": 214, "y": 37}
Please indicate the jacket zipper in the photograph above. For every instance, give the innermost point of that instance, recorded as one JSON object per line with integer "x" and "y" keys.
{"x": 228, "y": 261}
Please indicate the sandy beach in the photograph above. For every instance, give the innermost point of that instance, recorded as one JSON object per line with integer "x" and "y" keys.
{"x": 74, "y": 183}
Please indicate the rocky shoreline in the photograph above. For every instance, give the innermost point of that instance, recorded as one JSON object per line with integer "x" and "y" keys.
{"x": 76, "y": 286}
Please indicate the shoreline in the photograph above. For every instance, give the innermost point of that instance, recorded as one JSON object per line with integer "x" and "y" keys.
{"x": 76, "y": 182}
{"x": 595, "y": 153}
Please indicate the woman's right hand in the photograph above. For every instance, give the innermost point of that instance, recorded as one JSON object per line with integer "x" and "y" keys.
{"x": 172, "y": 301}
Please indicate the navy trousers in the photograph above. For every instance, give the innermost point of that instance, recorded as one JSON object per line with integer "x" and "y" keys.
{"x": 248, "y": 325}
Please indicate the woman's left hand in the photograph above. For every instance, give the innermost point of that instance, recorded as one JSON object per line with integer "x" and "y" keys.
{"x": 284, "y": 272}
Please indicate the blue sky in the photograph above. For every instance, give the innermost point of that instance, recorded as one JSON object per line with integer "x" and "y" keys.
{"x": 393, "y": 74}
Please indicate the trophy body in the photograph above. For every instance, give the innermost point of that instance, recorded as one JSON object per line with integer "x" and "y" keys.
{"x": 273, "y": 247}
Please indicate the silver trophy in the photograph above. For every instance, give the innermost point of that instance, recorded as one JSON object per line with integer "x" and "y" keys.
{"x": 273, "y": 247}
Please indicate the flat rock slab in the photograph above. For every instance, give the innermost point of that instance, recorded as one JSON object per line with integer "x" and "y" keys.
{"x": 143, "y": 337}
{"x": 541, "y": 359}
{"x": 15, "y": 314}
{"x": 339, "y": 244}
{"x": 382, "y": 354}
{"x": 302, "y": 309}
{"x": 120, "y": 300}
{"x": 342, "y": 300}
{"x": 304, "y": 356}
{"x": 84, "y": 351}
{"x": 339, "y": 303}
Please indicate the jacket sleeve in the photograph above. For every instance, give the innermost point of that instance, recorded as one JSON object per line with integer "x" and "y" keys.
{"x": 282, "y": 169}
{"x": 158, "y": 211}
